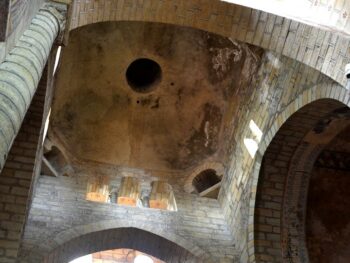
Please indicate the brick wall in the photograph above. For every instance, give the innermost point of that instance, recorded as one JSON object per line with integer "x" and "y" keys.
{"x": 17, "y": 176}
{"x": 282, "y": 87}
{"x": 273, "y": 176}
{"x": 328, "y": 14}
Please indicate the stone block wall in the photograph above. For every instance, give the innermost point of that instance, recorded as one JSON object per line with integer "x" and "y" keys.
{"x": 272, "y": 181}
{"x": 16, "y": 178}
{"x": 319, "y": 48}
{"x": 17, "y": 20}
{"x": 60, "y": 213}
{"x": 282, "y": 87}
{"x": 123, "y": 237}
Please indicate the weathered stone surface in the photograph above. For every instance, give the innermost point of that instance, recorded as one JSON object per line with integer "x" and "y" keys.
{"x": 60, "y": 213}
{"x": 178, "y": 125}
{"x": 240, "y": 226}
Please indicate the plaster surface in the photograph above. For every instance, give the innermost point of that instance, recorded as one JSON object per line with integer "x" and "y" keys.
{"x": 97, "y": 117}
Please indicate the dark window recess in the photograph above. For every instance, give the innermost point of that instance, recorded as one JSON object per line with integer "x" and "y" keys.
{"x": 205, "y": 180}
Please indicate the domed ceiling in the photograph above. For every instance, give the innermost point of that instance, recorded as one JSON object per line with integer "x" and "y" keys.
{"x": 175, "y": 123}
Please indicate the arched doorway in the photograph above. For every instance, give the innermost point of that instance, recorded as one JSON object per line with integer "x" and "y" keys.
{"x": 282, "y": 192}
{"x": 131, "y": 238}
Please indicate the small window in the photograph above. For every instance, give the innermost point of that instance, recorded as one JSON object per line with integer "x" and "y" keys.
{"x": 207, "y": 183}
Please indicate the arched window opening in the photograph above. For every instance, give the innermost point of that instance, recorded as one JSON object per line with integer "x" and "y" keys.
{"x": 162, "y": 196}
{"x": 304, "y": 181}
{"x": 207, "y": 183}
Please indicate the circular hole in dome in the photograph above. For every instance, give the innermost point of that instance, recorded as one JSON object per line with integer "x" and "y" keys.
{"x": 143, "y": 74}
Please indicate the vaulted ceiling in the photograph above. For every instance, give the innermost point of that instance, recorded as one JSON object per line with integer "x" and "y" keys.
{"x": 176, "y": 123}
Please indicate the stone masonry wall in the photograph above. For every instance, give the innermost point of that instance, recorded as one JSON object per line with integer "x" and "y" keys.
{"x": 19, "y": 17}
{"x": 60, "y": 212}
{"x": 321, "y": 49}
{"x": 138, "y": 239}
{"x": 282, "y": 87}
{"x": 272, "y": 180}
{"x": 17, "y": 175}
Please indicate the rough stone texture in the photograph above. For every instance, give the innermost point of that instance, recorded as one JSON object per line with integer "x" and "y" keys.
{"x": 60, "y": 213}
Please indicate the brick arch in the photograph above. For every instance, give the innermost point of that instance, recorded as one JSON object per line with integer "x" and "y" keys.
{"x": 154, "y": 236}
{"x": 280, "y": 180}
{"x": 131, "y": 238}
{"x": 217, "y": 166}
{"x": 315, "y": 47}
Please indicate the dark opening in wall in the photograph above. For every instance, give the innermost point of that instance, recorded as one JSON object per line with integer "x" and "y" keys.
{"x": 143, "y": 74}
{"x": 205, "y": 179}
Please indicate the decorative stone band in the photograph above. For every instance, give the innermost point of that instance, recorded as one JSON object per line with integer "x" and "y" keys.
{"x": 21, "y": 71}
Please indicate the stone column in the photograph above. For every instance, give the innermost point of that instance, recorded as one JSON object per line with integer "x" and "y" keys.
{"x": 21, "y": 71}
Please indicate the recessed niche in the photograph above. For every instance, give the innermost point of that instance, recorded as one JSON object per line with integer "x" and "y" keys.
{"x": 143, "y": 75}
{"x": 207, "y": 183}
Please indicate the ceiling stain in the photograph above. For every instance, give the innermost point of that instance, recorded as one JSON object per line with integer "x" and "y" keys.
{"x": 179, "y": 124}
